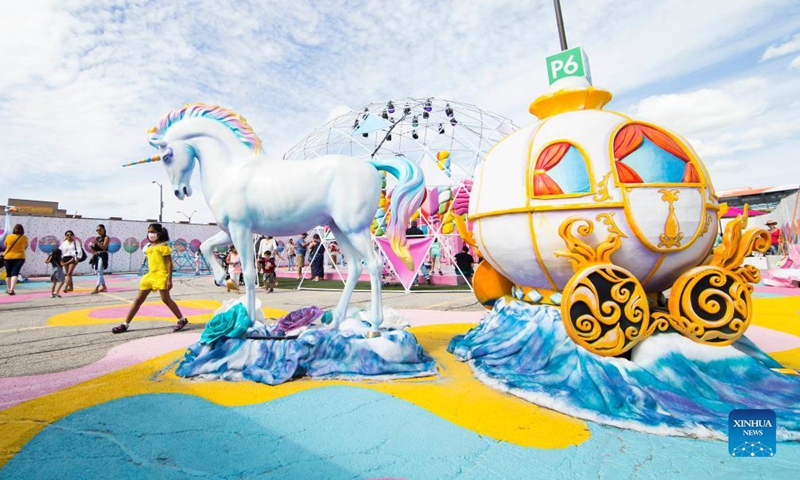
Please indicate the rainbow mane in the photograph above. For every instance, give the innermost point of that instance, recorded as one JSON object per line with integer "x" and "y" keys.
{"x": 237, "y": 123}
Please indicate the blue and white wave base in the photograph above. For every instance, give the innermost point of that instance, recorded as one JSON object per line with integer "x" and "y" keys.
{"x": 671, "y": 385}
{"x": 314, "y": 350}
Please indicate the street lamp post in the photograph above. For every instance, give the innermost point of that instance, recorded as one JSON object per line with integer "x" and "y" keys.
{"x": 188, "y": 217}
{"x": 161, "y": 202}
{"x": 562, "y": 36}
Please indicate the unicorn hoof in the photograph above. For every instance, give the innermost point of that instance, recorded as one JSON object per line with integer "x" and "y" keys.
{"x": 373, "y": 334}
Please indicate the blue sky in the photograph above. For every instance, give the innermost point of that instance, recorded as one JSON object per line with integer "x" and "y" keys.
{"x": 83, "y": 80}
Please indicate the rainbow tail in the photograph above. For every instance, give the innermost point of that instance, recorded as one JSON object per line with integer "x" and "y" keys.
{"x": 406, "y": 199}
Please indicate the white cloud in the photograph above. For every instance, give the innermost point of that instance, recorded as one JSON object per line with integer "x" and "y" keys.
{"x": 697, "y": 111}
{"x": 337, "y": 111}
{"x": 82, "y": 81}
{"x": 725, "y": 165}
{"x": 778, "y": 50}
{"x": 31, "y": 36}
{"x": 795, "y": 63}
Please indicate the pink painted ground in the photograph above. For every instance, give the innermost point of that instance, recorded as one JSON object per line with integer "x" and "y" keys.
{"x": 772, "y": 340}
{"x": 787, "y": 291}
{"x": 15, "y": 390}
{"x": 22, "y": 297}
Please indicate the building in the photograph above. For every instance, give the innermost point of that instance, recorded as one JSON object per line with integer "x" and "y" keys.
{"x": 764, "y": 199}
{"x": 37, "y": 208}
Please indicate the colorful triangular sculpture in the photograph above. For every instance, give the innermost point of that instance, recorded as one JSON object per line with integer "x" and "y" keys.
{"x": 417, "y": 246}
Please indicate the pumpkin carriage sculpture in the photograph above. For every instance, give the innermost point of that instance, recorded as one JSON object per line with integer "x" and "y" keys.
{"x": 607, "y": 213}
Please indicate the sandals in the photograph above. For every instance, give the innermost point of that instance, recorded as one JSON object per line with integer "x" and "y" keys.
{"x": 121, "y": 328}
{"x": 181, "y": 323}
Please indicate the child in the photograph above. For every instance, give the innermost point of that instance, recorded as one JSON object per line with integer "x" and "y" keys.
{"x": 158, "y": 278}
{"x": 268, "y": 267}
{"x": 234, "y": 265}
{"x": 234, "y": 269}
{"x": 58, "y": 276}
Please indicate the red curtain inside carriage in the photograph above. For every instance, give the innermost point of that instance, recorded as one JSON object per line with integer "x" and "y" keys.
{"x": 630, "y": 138}
{"x": 549, "y": 158}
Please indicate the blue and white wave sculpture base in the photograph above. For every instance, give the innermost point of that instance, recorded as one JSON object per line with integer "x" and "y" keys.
{"x": 313, "y": 350}
{"x": 671, "y": 385}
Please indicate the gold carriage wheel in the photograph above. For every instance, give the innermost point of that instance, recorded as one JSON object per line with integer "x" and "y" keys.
{"x": 710, "y": 305}
{"x": 607, "y": 312}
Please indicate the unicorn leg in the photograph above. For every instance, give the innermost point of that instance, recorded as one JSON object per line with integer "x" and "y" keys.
{"x": 207, "y": 248}
{"x": 241, "y": 239}
{"x": 362, "y": 241}
{"x": 353, "y": 272}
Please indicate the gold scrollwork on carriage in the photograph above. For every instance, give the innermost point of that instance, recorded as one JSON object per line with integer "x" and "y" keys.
{"x": 602, "y": 189}
{"x": 605, "y": 308}
{"x": 712, "y": 304}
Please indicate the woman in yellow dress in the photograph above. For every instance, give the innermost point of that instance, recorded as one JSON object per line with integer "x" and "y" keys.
{"x": 158, "y": 278}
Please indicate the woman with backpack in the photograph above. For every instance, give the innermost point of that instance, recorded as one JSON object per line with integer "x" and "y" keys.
{"x": 71, "y": 254}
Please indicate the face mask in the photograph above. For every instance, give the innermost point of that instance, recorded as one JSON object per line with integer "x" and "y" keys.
{"x": 152, "y": 236}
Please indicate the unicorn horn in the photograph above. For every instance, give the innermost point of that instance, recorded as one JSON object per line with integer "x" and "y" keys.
{"x": 154, "y": 158}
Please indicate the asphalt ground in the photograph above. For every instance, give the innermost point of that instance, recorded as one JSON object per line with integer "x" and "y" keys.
{"x": 29, "y": 346}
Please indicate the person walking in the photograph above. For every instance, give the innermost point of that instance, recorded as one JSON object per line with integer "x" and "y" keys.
{"x": 99, "y": 259}
{"x": 436, "y": 256}
{"x": 334, "y": 250}
{"x": 268, "y": 244}
{"x": 234, "y": 266}
{"x": 268, "y": 268}
{"x": 316, "y": 252}
{"x": 71, "y": 252}
{"x": 300, "y": 253}
{"x": 14, "y": 256}
{"x": 57, "y": 277}
{"x": 158, "y": 278}
{"x": 776, "y": 238}
{"x": 289, "y": 252}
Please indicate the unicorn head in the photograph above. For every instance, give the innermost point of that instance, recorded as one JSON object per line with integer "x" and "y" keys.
{"x": 176, "y": 151}
{"x": 178, "y": 160}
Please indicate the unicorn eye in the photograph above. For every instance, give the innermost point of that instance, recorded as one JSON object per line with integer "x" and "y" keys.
{"x": 167, "y": 157}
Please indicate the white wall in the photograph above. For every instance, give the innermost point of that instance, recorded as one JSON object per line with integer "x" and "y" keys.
{"x": 39, "y": 229}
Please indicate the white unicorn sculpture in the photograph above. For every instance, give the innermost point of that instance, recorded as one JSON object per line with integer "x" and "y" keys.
{"x": 250, "y": 193}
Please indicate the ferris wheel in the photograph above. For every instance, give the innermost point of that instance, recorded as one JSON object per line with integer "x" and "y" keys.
{"x": 417, "y": 128}
{"x": 445, "y": 138}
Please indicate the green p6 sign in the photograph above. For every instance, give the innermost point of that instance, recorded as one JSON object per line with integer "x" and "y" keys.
{"x": 569, "y": 63}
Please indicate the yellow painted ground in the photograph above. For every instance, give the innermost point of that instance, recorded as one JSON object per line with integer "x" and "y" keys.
{"x": 457, "y": 396}
{"x": 82, "y": 317}
{"x": 781, "y": 314}
{"x": 778, "y": 313}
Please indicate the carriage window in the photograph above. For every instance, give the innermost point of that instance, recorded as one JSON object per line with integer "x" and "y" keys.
{"x": 644, "y": 154}
{"x": 561, "y": 169}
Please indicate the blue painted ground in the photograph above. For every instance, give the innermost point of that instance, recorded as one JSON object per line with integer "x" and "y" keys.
{"x": 347, "y": 432}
